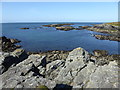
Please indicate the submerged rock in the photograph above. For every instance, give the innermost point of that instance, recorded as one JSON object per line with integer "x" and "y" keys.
{"x": 25, "y": 28}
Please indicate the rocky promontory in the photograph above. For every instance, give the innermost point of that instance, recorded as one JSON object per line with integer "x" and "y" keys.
{"x": 112, "y": 29}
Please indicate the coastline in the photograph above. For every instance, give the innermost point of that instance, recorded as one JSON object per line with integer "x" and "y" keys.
{"x": 52, "y": 69}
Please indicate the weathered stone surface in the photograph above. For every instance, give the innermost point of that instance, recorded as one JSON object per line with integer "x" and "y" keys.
{"x": 75, "y": 62}
{"x": 78, "y": 70}
{"x": 53, "y": 68}
{"x": 26, "y": 74}
{"x": 104, "y": 76}
{"x": 83, "y": 76}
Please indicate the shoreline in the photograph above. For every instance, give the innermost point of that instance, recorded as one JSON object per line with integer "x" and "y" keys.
{"x": 56, "y": 69}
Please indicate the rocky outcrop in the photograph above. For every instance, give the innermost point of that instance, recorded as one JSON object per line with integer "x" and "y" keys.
{"x": 105, "y": 28}
{"x": 79, "y": 70}
{"x": 8, "y": 45}
{"x": 8, "y": 60}
{"x": 53, "y": 55}
{"x": 111, "y": 29}
{"x": 107, "y": 37}
{"x": 57, "y": 25}
{"x": 65, "y": 28}
{"x": 84, "y": 27}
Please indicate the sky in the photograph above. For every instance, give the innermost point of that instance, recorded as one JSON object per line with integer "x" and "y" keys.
{"x": 59, "y": 11}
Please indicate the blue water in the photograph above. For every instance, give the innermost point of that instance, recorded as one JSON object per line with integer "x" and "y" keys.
{"x": 48, "y": 38}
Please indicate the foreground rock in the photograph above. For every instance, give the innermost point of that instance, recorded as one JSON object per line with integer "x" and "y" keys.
{"x": 53, "y": 55}
{"x": 8, "y": 60}
{"x": 79, "y": 70}
{"x": 8, "y": 45}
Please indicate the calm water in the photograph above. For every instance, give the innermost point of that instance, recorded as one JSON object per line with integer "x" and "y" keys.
{"x": 44, "y": 38}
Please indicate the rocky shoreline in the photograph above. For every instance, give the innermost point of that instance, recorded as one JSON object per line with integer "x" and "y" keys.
{"x": 59, "y": 69}
{"x": 112, "y": 30}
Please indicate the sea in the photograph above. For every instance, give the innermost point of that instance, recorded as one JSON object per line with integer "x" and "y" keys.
{"x": 39, "y": 38}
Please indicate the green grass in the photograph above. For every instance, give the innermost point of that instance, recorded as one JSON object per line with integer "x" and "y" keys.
{"x": 42, "y": 87}
{"x": 114, "y": 23}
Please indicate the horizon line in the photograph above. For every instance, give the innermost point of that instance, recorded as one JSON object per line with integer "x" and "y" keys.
{"x": 55, "y": 21}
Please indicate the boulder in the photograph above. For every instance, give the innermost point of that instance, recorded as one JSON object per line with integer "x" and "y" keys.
{"x": 75, "y": 62}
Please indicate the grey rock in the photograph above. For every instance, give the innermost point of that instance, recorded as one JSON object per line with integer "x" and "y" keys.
{"x": 74, "y": 63}
{"x": 104, "y": 76}
{"x": 53, "y": 68}
{"x": 83, "y": 76}
{"x": 26, "y": 74}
